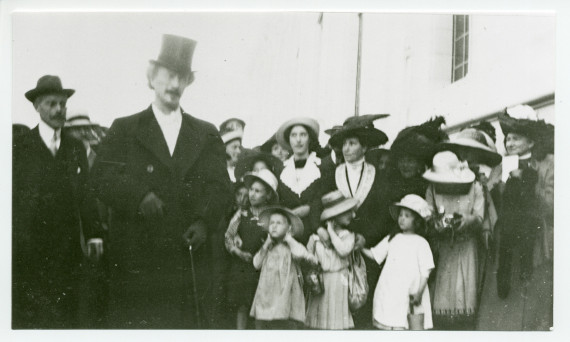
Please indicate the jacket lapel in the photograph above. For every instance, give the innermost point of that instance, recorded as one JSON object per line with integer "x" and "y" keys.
{"x": 151, "y": 137}
{"x": 188, "y": 146}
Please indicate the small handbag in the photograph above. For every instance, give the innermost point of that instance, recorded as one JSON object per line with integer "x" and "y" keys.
{"x": 357, "y": 282}
{"x": 314, "y": 281}
{"x": 415, "y": 321}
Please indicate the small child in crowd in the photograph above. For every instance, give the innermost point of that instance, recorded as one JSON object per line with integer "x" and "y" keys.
{"x": 279, "y": 302}
{"x": 409, "y": 262}
{"x": 243, "y": 239}
{"x": 330, "y": 310}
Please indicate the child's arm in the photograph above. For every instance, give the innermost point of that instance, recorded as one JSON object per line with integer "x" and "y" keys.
{"x": 426, "y": 265}
{"x": 262, "y": 253}
{"x": 379, "y": 252}
{"x": 232, "y": 232}
{"x": 343, "y": 246}
{"x": 298, "y": 251}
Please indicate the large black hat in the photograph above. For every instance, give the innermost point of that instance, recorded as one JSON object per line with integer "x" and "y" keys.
{"x": 528, "y": 126}
{"x": 48, "y": 84}
{"x": 361, "y": 127}
{"x": 420, "y": 141}
{"x": 176, "y": 54}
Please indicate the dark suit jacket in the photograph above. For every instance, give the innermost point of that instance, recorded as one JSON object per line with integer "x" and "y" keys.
{"x": 149, "y": 258}
{"x": 49, "y": 198}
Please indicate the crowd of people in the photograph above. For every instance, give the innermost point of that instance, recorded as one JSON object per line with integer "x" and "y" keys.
{"x": 164, "y": 221}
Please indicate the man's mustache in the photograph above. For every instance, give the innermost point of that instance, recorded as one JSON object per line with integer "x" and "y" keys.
{"x": 173, "y": 92}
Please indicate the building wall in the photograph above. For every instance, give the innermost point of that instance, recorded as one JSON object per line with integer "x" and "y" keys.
{"x": 511, "y": 61}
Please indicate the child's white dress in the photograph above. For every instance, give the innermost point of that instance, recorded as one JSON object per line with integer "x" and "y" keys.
{"x": 408, "y": 258}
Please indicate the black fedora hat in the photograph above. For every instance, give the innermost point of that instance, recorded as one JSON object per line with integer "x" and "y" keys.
{"x": 361, "y": 127}
{"x": 176, "y": 54}
{"x": 48, "y": 84}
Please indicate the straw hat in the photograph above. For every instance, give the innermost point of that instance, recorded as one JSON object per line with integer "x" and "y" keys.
{"x": 476, "y": 142}
{"x": 413, "y": 202}
{"x": 447, "y": 169}
{"x": 297, "y": 227}
{"x": 246, "y": 162}
{"x": 312, "y": 124}
{"x": 232, "y": 135}
{"x": 361, "y": 127}
{"x": 335, "y": 203}
{"x": 266, "y": 177}
{"x": 78, "y": 118}
{"x": 223, "y": 125}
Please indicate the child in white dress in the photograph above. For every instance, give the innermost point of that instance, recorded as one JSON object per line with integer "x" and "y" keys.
{"x": 409, "y": 262}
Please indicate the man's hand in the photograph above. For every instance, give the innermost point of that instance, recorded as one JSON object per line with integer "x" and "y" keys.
{"x": 151, "y": 206}
{"x": 195, "y": 235}
{"x": 486, "y": 238}
{"x": 359, "y": 242}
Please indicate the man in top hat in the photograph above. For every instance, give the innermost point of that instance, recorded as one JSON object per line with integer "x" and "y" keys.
{"x": 163, "y": 172}
{"x": 50, "y": 204}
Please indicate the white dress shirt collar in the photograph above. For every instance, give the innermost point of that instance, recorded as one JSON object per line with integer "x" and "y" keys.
{"x": 47, "y": 134}
{"x": 170, "y": 124}
{"x": 354, "y": 172}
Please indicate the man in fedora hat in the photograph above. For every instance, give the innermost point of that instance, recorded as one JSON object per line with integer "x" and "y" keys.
{"x": 163, "y": 172}
{"x": 50, "y": 204}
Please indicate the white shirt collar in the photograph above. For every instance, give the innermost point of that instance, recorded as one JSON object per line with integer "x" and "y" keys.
{"x": 170, "y": 124}
{"x": 46, "y": 133}
{"x": 357, "y": 165}
{"x": 171, "y": 117}
{"x": 525, "y": 156}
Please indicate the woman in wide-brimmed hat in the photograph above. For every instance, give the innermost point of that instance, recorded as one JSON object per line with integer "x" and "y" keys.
{"x": 410, "y": 154}
{"x": 525, "y": 222}
{"x": 458, "y": 202}
{"x": 358, "y": 179}
{"x": 300, "y": 180}
{"x": 330, "y": 309}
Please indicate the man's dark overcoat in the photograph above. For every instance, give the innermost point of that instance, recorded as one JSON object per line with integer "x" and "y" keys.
{"x": 150, "y": 274}
{"x": 49, "y": 199}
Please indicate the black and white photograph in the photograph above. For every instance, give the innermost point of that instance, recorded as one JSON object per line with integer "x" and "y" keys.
{"x": 299, "y": 169}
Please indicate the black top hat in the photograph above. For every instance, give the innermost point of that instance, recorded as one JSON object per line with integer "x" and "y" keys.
{"x": 48, "y": 84}
{"x": 361, "y": 127}
{"x": 176, "y": 54}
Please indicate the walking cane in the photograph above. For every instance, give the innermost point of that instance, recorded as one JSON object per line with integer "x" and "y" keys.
{"x": 194, "y": 288}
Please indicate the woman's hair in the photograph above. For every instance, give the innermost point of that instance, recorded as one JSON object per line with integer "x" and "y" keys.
{"x": 313, "y": 139}
{"x": 419, "y": 225}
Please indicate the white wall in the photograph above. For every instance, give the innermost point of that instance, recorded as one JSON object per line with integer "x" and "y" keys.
{"x": 407, "y": 66}
{"x": 268, "y": 67}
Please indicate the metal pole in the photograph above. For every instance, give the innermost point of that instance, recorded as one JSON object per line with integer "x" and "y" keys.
{"x": 358, "y": 58}
{"x": 195, "y": 289}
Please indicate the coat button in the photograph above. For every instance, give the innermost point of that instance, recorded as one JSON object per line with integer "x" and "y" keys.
{"x": 78, "y": 169}
{"x": 149, "y": 168}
